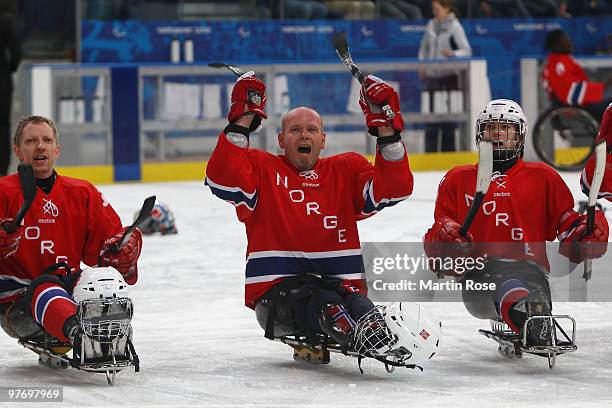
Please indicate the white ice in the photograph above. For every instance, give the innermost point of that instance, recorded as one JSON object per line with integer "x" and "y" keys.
{"x": 199, "y": 346}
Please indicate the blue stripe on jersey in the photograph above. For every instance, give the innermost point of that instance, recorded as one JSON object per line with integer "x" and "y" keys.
{"x": 46, "y": 297}
{"x": 235, "y": 197}
{"x": 371, "y": 206}
{"x": 575, "y": 96}
{"x": 294, "y": 266}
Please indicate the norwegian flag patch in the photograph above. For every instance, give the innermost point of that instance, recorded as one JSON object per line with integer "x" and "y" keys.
{"x": 424, "y": 334}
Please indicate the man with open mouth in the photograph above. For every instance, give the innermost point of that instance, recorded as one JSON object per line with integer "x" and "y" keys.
{"x": 68, "y": 223}
{"x": 304, "y": 271}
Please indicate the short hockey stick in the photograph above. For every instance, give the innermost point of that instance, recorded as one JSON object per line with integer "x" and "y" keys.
{"x": 253, "y": 96}
{"x": 600, "y": 167}
{"x": 28, "y": 186}
{"x": 236, "y": 70}
{"x": 145, "y": 212}
{"x": 483, "y": 180}
{"x": 342, "y": 49}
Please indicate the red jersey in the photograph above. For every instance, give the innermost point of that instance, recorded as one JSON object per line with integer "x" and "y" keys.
{"x": 605, "y": 191}
{"x": 298, "y": 222}
{"x": 566, "y": 80}
{"x": 69, "y": 224}
{"x": 528, "y": 204}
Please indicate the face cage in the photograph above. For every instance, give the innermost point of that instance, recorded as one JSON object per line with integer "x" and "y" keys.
{"x": 500, "y": 154}
{"x": 372, "y": 335}
{"x": 104, "y": 320}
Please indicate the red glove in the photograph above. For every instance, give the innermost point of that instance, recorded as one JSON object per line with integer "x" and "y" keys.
{"x": 375, "y": 93}
{"x": 447, "y": 230}
{"x": 125, "y": 259}
{"x": 248, "y": 95}
{"x": 605, "y": 130}
{"x": 443, "y": 239}
{"x": 577, "y": 246}
{"x": 9, "y": 243}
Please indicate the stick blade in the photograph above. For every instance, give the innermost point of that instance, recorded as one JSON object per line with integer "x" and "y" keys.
{"x": 28, "y": 186}
{"x": 485, "y": 166}
{"x": 216, "y": 65}
{"x": 145, "y": 212}
{"x": 26, "y": 179}
{"x": 340, "y": 43}
{"x": 598, "y": 174}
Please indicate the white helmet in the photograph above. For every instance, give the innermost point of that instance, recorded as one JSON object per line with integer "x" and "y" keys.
{"x": 100, "y": 283}
{"x": 104, "y": 309}
{"x": 503, "y": 112}
{"x": 417, "y": 330}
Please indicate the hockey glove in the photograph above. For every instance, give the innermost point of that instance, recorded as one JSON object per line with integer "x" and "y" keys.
{"x": 443, "y": 240}
{"x": 577, "y": 246}
{"x": 248, "y": 95}
{"x": 9, "y": 243}
{"x": 125, "y": 258}
{"x": 605, "y": 130}
{"x": 374, "y": 94}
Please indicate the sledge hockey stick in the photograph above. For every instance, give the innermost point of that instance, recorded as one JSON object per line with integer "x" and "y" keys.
{"x": 600, "y": 166}
{"x": 236, "y": 70}
{"x": 342, "y": 49}
{"x": 145, "y": 212}
{"x": 483, "y": 180}
{"x": 253, "y": 96}
{"x": 28, "y": 186}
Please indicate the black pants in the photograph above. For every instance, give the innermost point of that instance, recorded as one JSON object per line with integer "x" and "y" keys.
{"x": 296, "y": 304}
{"x": 440, "y": 137}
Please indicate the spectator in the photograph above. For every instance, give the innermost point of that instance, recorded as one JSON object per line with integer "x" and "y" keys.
{"x": 444, "y": 38}
{"x": 352, "y": 9}
{"x": 399, "y": 9}
{"x": 305, "y": 9}
{"x": 562, "y": 9}
{"x": 486, "y": 10}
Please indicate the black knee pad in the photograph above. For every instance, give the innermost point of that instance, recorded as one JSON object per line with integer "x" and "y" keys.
{"x": 17, "y": 321}
{"x": 284, "y": 327}
{"x": 482, "y": 304}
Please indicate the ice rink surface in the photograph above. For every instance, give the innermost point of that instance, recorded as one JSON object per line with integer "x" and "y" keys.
{"x": 199, "y": 346}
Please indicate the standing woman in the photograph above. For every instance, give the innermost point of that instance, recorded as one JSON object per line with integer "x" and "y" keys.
{"x": 443, "y": 38}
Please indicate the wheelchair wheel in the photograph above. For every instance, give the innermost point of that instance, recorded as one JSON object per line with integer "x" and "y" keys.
{"x": 563, "y": 137}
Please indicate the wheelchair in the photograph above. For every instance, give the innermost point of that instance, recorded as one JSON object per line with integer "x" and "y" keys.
{"x": 563, "y": 136}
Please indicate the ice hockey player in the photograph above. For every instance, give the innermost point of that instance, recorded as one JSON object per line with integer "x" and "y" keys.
{"x": 605, "y": 133}
{"x": 565, "y": 80}
{"x": 526, "y": 205}
{"x": 304, "y": 267}
{"x": 68, "y": 223}
{"x": 161, "y": 220}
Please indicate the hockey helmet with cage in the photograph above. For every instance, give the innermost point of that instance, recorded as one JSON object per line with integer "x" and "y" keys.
{"x": 161, "y": 220}
{"x": 417, "y": 330}
{"x": 104, "y": 310}
{"x": 399, "y": 329}
{"x": 505, "y": 124}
